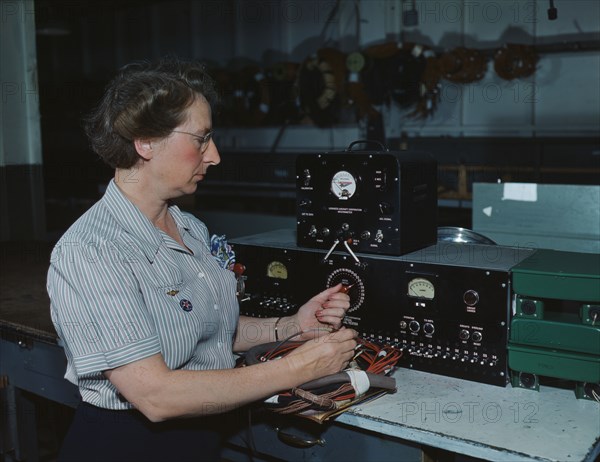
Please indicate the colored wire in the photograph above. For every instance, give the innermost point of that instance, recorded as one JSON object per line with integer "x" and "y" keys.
{"x": 332, "y": 391}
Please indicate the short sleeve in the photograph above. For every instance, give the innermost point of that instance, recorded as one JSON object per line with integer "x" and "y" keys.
{"x": 97, "y": 306}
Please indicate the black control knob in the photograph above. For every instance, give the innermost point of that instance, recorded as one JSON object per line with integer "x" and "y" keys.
{"x": 414, "y": 326}
{"x": 365, "y": 235}
{"x": 403, "y": 325}
{"x": 528, "y": 307}
{"x": 471, "y": 297}
{"x": 477, "y": 336}
{"x": 428, "y": 328}
{"x": 464, "y": 334}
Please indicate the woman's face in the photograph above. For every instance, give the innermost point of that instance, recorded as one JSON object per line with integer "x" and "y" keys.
{"x": 180, "y": 160}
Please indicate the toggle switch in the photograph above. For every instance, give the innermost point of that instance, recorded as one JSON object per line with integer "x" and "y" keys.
{"x": 385, "y": 208}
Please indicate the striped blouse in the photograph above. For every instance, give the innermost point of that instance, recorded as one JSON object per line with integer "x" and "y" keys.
{"x": 122, "y": 290}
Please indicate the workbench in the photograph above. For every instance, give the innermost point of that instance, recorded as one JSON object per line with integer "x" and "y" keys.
{"x": 427, "y": 412}
{"x": 468, "y": 418}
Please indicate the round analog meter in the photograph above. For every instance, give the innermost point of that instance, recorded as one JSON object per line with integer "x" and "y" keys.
{"x": 421, "y": 288}
{"x": 355, "y": 287}
{"x": 343, "y": 185}
{"x": 277, "y": 270}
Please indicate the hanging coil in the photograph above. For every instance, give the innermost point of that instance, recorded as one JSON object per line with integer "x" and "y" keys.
{"x": 463, "y": 65}
{"x": 284, "y": 105}
{"x": 320, "y": 86}
{"x": 393, "y": 72}
{"x": 429, "y": 89}
{"x": 514, "y": 61}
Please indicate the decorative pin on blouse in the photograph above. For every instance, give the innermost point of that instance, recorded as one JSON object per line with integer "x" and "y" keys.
{"x": 186, "y": 305}
{"x": 222, "y": 251}
{"x": 172, "y": 292}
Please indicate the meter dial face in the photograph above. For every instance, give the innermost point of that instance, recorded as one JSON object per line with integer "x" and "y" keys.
{"x": 353, "y": 282}
{"x": 277, "y": 270}
{"x": 421, "y": 288}
{"x": 343, "y": 185}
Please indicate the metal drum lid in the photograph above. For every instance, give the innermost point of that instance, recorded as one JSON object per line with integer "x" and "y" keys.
{"x": 462, "y": 235}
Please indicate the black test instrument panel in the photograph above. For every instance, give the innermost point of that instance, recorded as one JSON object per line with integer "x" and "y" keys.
{"x": 380, "y": 202}
{"x": 447, "y": 306}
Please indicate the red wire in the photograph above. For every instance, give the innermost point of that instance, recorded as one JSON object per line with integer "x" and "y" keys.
{"x": 370, "y": 356}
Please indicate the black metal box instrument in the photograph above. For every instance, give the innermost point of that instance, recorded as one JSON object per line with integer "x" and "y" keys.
{"x": 379, "y": 202}
{"x": 446, "y": 306}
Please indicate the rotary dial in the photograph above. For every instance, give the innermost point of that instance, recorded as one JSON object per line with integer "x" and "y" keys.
{"x": 354, "y": 284}
{"x": 343, "y": 185}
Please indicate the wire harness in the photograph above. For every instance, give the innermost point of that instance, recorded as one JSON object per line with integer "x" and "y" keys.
{"x": 368, "y": 371}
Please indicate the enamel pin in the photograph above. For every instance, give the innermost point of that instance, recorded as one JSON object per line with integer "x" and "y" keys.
{"x": 186, "y": 305}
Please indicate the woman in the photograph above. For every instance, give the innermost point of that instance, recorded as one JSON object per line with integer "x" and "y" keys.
{"x": 148, "y": 318}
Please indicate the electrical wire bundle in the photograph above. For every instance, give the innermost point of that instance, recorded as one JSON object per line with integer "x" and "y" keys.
{"x": 320, "y": 85}
{"x": 463, "y": 65}
{"x": 366, "y": 372}
{"x": 515, "y": 61}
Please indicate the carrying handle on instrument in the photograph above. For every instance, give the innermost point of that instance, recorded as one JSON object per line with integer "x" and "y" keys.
{"x": 378, "y": 143}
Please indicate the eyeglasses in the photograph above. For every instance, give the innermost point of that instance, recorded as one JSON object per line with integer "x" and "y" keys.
{"x": 203, "y": 140}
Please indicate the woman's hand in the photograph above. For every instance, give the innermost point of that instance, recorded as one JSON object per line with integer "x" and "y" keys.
{"x": 324, "y": 312}
{"x": 325, "y": 354}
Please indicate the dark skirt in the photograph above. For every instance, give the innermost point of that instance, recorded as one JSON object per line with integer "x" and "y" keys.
{"x": 106, "y": 435}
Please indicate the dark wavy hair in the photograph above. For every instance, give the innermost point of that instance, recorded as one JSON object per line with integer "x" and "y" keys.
{"x": 145, "y": 100}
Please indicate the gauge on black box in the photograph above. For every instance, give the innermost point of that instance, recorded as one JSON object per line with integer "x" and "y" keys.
{"x": 343, "y": 185}
{"x": 421, "y": 288}
{"x": 277, "y": 270}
